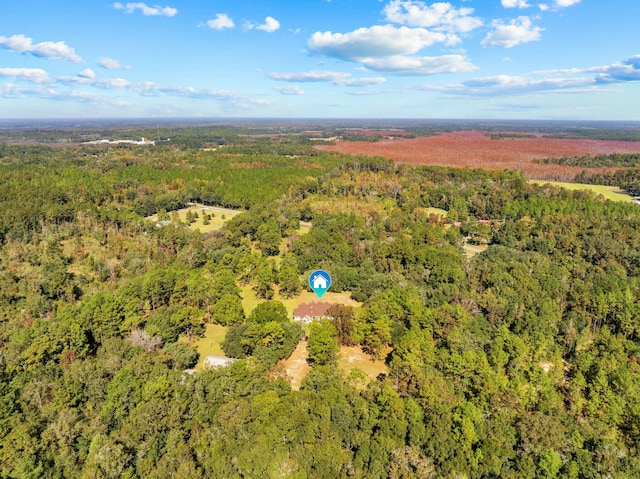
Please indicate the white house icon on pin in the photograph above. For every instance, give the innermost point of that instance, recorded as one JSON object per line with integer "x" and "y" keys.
{"x": 319, "y": 282}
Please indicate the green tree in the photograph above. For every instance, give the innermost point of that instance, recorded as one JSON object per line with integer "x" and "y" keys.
{"x": 322, "y": 345}
{"x": 228, "y": 310}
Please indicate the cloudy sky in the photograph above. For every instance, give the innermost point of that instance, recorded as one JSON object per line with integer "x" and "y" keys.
{"x": 529, "y": 59}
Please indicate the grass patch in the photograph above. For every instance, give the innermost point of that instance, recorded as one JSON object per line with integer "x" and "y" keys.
{"x": 305, "y": 227}
{"x": 296, "y": 366}
{"x": 354, "y": 357}
{"x": 220, "y": 216}
{"x": 425, "y": 213}
{"x": 209, "y": 345}
{"x": 612, "y": 193}
{"x": 473, "y": 249}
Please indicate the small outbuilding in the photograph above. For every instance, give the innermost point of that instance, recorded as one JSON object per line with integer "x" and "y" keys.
{"x": 211, "y": 362}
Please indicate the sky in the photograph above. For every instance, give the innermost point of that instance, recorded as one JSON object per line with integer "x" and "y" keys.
{"x": 467, "y": 59}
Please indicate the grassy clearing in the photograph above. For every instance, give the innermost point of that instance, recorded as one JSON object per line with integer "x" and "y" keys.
{"x": 249, "y": 300}
{"x": 209, "y": 345}
{"x": 219, "y": 217}
{"x": 612, "y": 193}
{"x": 427, "y": 212}
{"x": 354, "y": 357}
{"x": 305, "y": 227}
{"x": 296, "y": 366}
{"x": 472, "y": 249}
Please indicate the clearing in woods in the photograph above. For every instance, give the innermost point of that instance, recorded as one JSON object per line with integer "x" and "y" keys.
{"x": 209, "y": 345}
{"x": 296, "y": 366}
{"x": 612, "y": 193}
{"x": 354, "y": 357}
{"x": 219, "y": 216}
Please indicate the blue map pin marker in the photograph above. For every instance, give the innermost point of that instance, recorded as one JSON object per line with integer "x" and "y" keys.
{"x": 320, "y": 282}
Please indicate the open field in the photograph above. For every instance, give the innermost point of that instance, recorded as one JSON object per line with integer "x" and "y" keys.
{"x": 217, "y": 221}
{"x": 474, "y": 149}
{"x": 612, "y": 193}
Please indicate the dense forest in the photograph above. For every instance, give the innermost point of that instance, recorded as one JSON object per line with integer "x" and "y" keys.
{"x": 520, "y": 361}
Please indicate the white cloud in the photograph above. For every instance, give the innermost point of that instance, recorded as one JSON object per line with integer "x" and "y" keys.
{"x": 568, "y": 80}
{"x": 46, "y": 93}
{"x": 440, "y": 16}
{"x": 83, "y": 79}
{"x": 407, "y": 65}
{"x": 270, "y": 25}
{"x": 311, "y": 76}
{"x": 503, "y": 84}
{"x": 146, "y": 10}
{"x": 516, "y": 31}
{"x": 323, "y": 76}
{"x": 51, "y": 50}
{"x": 557, "y": 4}
{"x": 34, "y": 75}
{"x": 152, "y": 89}
{"x": 628, "y": 70}
{"x": 515, "y": 4}
{"x": 111, "y": 64}
{"x": 566, "y": 3}
{"x": 221, "y": 22}
{"x": 374, "y": 42}
{"x": 289, "y": 90}
{"x": 367, "y": 81}
{"x": 87, "y": 73}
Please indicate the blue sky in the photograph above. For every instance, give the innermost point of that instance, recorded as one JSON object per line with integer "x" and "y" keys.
{"x": 520, "y": 59}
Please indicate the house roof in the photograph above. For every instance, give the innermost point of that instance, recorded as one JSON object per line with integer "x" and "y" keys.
{"x": 312, "y": 310}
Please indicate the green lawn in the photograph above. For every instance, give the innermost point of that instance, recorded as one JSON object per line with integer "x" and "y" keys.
{"x": 209, "y": 345}
{"x": 612, "y": 193}
{"x": 217, "y": 221}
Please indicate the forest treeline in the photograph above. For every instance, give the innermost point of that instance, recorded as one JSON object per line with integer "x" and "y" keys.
{"x": 622, "y": 160}
{"x": 519, "y": 362}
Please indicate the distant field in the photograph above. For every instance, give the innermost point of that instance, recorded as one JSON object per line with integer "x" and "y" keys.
{"x": 612, "y": 193}
{"x": 474, "y": 149}
{"x": 217, "y": 221}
